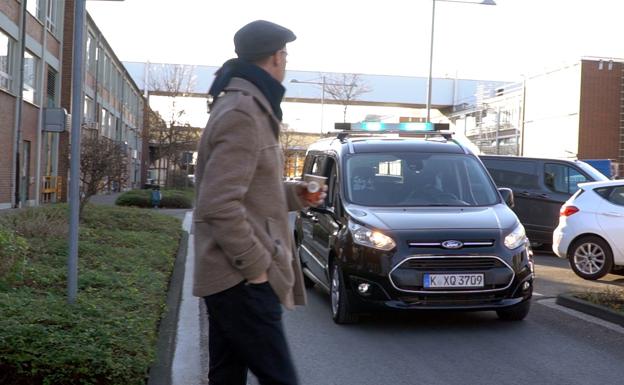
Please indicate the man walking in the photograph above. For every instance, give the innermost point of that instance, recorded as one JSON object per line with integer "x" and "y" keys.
{"x": 245, "y": 266}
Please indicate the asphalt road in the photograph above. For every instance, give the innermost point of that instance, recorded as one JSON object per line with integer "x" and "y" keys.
{"x": 553, "y": 345}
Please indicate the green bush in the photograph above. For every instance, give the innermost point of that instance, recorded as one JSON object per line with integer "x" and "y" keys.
{"x": 174, "y": 199}
{"x": 12, "y": 249}
{"x": 108, "y": 336}
{"x": 40, "y": 222}
{"x": 138, "y": 198}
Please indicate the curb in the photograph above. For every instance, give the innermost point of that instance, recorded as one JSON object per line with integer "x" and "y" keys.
{"x": 604, "y": 313}
{"x": 160, "y": 371}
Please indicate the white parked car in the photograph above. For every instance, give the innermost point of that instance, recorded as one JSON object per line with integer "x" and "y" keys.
{"x": 591, "y": 229}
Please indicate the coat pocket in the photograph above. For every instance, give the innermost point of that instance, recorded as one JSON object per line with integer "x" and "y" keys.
{"x": 273, "y": 231}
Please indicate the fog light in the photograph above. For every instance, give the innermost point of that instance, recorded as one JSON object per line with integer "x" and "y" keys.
{"x": 526, "y": 285}
{"x": 364, "y": 288}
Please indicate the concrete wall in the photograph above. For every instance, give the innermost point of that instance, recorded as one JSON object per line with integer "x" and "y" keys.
{"x": 551, "y": 121}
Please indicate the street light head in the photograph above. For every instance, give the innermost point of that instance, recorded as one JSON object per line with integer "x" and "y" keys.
{"x": 476, "y": 2}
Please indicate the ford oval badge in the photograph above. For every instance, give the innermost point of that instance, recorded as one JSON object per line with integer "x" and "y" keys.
{"x": 451, "y": 244}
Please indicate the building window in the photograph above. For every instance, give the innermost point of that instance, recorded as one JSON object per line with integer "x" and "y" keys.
{"x": 51, "y": 15}
{"x": 6, "y": 46}
{"x": 89, "y": 111}
{"x": 32, "y": 6}
{"x": 113, "y": 81}
{"x": 91, "y": 49}
{"x": 104, "y": 123}
{"x": 51, "y": 88}
{"x": 107, "y": 71}
{"x": 30, "y": 77}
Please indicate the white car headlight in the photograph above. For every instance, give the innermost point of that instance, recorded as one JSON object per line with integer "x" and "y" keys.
{"x": 367, "y": 237}
{"x": 516, "y": 238}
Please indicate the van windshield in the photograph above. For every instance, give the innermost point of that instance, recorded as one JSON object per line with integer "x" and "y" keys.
{"x": 418, "y": 179}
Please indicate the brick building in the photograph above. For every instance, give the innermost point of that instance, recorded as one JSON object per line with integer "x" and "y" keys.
{"x": 37, "y": 35}
{"x": 113, "y": 104}
{"x": 30, "y": 38}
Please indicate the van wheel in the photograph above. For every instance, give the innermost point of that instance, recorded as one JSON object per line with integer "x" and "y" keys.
{"x": 516, "y": 312}
{"x": 590, "y": 257}
{"x": 342, "y": 309}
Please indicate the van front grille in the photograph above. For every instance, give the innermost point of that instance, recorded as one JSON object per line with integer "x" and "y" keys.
{"x": 452, "y": 264}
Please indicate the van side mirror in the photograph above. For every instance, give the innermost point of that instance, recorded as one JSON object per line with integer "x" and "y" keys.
{"x": 507, "y": 195}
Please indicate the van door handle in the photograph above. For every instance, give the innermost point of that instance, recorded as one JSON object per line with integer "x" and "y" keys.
{"x": 544, "y": 196}
{"x": 524, "y": 193}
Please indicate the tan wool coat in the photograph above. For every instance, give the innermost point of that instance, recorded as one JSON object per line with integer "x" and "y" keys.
{"x": 241, "y": 209}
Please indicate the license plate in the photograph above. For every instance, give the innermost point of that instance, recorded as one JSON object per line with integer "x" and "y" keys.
{"x": 453, "y": 280}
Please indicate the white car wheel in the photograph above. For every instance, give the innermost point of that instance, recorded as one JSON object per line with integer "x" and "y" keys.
{"x": 590, "y": 257}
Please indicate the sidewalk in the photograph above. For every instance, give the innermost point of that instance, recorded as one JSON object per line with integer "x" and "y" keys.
{"x": 186, "y": 366}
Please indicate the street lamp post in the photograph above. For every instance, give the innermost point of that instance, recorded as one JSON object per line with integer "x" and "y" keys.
{"x": 74, "y": 168}
{"x": 430, "y": 78}
{"x": 76, "y": 126}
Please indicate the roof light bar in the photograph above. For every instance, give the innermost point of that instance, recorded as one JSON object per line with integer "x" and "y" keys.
{"x": 392, "y": 127}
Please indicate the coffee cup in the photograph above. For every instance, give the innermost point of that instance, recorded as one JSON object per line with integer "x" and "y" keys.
{"x": 315, "y": 186}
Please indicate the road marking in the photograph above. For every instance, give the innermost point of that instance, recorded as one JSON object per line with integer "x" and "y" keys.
{"x": 550, "y": 302}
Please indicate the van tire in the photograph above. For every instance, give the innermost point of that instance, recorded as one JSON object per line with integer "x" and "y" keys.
{"x": 341, "y": 305}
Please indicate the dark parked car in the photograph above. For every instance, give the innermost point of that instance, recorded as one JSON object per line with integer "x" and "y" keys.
{"x": 540, "y": 187}
{"x": 411, "y": 221}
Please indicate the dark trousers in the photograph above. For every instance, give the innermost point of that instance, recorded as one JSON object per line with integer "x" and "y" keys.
{"x": 245, "y": 332}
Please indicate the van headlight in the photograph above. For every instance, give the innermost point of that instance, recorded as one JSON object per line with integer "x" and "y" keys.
{"x": 370, "y": 238}
{"x": 516, "y": 238}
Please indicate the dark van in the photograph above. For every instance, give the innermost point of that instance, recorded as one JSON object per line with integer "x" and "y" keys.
{"x": 540, "y": 187}
{"x": 412, "y": 220}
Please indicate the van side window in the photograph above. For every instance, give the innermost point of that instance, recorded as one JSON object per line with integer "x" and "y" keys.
{"x": 512, "y": 173}
{"x": 562, "y": 179}
{"x": 317, "y": 166}
{"x": 307, "y": 164}
{"x": 314, "y": 164}
{"x": 331, "y": 182}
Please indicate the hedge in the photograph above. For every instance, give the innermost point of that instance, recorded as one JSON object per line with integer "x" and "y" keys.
{"x": 108, "y": 336}
{"x": 170, "y": 198}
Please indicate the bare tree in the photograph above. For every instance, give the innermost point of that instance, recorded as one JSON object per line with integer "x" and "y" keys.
{"x": 171, "y": 135}
{"x": 344, "y": 89}
{"x": 294, "y": 145}
{"x": 172, "y": 79}
{"x": 287, "y": 139}
{"x": 103, "y": 162}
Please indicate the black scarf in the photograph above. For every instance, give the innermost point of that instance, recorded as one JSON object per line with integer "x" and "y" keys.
{"x": 270, "y": 88}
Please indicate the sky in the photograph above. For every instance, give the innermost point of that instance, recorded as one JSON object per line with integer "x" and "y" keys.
{"x": 390, "y": 37}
